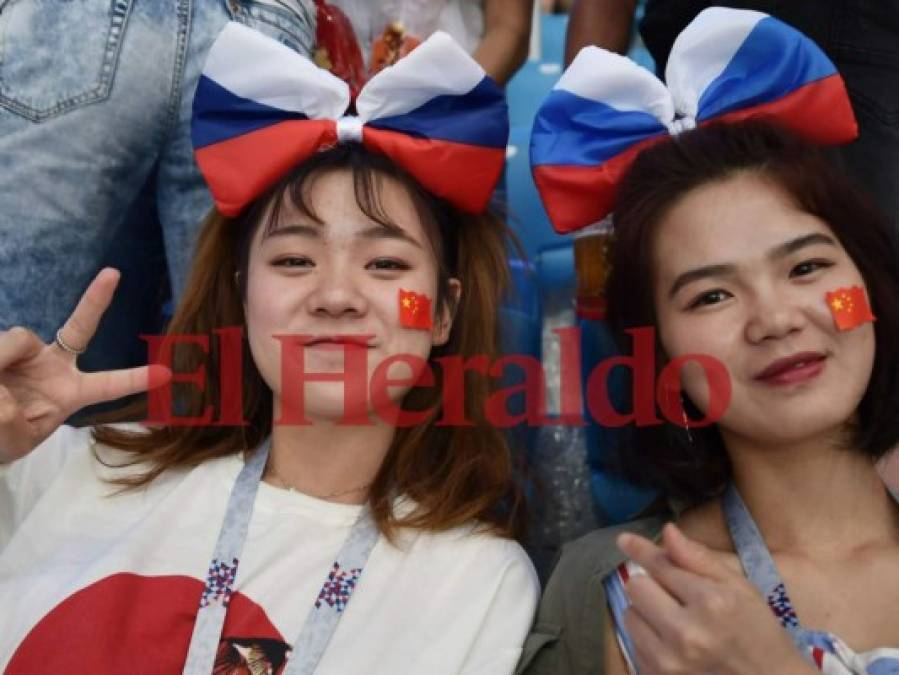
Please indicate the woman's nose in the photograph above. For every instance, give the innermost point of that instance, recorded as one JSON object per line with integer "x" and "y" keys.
{"x": 338, "y": 294}
{"x": 774, "y": 315}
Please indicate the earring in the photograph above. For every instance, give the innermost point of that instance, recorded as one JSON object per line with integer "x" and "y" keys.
{"x": 683, "y": 409}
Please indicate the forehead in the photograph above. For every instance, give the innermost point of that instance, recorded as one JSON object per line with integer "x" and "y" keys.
{"x": 736, "y": 220}
{"x": 328, "y": 201}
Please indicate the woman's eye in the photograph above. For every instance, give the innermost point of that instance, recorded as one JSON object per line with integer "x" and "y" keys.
{"x": 710, "y": 298}
{"x": 809, "y": 266}
{"x": 386, "y": 264}
{"x": 294, "y": 261}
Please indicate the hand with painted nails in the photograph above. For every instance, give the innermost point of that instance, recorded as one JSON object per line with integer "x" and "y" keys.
{"x": 41, "y": 385}
{"x": 691, "y": 614}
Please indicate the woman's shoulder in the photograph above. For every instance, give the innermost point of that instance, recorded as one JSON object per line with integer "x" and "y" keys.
{"x": 575, "y": 584}
{"x": 596, "y": 554}
{"x": 473, "y": 543}
{"x": 569, "y": 631}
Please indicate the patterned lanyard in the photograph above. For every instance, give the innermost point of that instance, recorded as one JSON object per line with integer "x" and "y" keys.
{"x": 761, "y": 570}
{"x": 321, "y": 621}
{"x": 758, "y": 565}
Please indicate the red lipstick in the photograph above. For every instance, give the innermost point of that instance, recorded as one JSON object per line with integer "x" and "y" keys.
{"x": 338, "y": 340}
{"x": 800, "y": 367}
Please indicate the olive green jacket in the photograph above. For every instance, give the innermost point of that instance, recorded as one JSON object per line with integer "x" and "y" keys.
{"x": 569, "y": 632}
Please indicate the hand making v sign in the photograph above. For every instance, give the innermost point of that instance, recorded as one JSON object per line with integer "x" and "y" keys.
{"x": 41, "y": 385}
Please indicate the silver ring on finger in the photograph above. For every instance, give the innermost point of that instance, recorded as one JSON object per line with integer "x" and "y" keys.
{"x": 63, "y": 345}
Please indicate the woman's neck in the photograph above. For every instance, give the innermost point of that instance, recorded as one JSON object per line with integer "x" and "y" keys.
{"x": 326, "y": 460}
{"x": 815, "y": 497}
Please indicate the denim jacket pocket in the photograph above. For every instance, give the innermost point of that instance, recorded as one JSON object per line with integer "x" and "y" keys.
{"x": 58, "y": 55}
{"x": 291, "y": 22}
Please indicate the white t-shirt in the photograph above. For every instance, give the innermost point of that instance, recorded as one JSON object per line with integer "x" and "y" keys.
{"x": 92, "y": 582}
{"x": 462, "y": 19}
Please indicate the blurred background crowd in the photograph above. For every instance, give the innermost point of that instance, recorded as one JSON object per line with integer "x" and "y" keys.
{"x": 96, "y": 166}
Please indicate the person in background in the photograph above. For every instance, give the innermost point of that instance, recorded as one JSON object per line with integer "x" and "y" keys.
{"x": 860, "y": 36}
{"x": 96, "y": 162}
{"x": 603, "y": 23}
{"x": 555, "y": 6}
{"x": 495, "y": 32}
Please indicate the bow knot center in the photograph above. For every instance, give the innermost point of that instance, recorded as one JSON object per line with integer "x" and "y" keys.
{"x": 680, "y": 124}
{"x": 349, "y": 129}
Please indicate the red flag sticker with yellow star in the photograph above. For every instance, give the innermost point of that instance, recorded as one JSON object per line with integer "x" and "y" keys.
{"x": 849, "y": 307}
{"x": 415, "y": 310}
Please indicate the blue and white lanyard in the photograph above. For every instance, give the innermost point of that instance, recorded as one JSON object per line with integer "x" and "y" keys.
{"x": 321, "y": 621}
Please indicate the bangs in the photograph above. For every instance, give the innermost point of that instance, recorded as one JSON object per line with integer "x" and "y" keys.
{"x": 295, "y": 192}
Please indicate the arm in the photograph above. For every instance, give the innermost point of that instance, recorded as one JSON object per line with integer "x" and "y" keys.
{"x": 507, "y": 29}
{"x": 604, "y": 23}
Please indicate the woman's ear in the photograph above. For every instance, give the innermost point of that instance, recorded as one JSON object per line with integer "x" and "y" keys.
{"x": 443, "y": 322}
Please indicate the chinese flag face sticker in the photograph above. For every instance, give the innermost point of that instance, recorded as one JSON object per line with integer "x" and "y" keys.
{"x": 415, "y": 310}
{"x": 849, "y": 307}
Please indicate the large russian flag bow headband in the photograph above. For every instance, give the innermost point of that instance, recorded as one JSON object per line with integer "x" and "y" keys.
{"x": 261, "y": 109}
{"x": 728, "y": 65}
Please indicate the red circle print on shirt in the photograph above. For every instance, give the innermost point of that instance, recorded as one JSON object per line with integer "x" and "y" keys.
{"x": 127, "y": 623}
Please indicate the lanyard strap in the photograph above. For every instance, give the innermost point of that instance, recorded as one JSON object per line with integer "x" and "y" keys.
{"x": 758, "y": 565}
{"x": 223, "y": 569}
{"x": 321, "y": 621}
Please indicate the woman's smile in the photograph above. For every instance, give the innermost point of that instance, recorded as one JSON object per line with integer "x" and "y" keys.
{"x": 796, "y": 369}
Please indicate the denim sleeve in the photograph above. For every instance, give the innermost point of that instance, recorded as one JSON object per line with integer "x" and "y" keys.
{"x": 181, "y": 195}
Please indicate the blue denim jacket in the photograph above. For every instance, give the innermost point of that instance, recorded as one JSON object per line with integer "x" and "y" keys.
{"x": 95, "y": 107}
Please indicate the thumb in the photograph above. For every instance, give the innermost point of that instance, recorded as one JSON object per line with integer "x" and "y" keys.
{"x": 691, "y": 555}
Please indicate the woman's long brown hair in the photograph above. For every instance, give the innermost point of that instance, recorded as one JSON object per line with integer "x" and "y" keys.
{"x": 456, "y": 475}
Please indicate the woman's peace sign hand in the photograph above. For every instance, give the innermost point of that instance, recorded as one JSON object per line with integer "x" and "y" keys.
{"x": 40, "y": 384}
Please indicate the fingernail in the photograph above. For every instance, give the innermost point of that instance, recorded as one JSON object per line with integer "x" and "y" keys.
{"x": 157, "y": 376}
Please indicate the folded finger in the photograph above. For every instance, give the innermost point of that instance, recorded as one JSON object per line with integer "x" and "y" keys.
{"x": 16, "y": 434}
{"x": 659, "y": 608}
{"x": 18, "y": 344}
{"x": 651, "y": 654}
{"x": 683, "y": 585}
{"x": 693, "y": 556}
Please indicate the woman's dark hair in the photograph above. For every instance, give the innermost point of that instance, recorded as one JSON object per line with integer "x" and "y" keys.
{"x": 455, "y": 475}
{"x": 692, "y": 469}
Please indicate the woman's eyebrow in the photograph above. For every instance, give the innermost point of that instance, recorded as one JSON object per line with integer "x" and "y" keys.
{"x": 723, "y": 270}
{"x": 794, "y": 245}
{"x": 313, "y": 231}
{"x": 698, "y": 273}
{"x": 381, "y": 232}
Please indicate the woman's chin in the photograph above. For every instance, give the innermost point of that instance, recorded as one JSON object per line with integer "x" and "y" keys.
{"x": 785, "y": 429}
